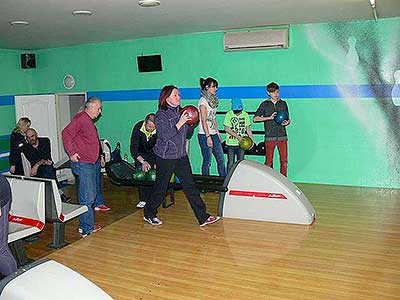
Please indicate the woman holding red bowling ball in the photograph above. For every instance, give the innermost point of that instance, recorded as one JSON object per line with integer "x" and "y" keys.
{"x": 171, "y": 157}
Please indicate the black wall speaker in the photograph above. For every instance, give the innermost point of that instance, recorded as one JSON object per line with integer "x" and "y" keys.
{"x": 28, "y": 61}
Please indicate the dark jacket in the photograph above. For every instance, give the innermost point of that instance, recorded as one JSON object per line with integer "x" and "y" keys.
{"x": 5, "y": 191}
{"x": 140, "y": 146}
{"x": 171, "y": 142}
{"x": 17, "y": 143}
{"x": 273, "y": 131}
{"x": 43, "y": 151}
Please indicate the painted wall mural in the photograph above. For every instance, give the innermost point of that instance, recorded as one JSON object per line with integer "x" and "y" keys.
{"x": 366, "y": 53}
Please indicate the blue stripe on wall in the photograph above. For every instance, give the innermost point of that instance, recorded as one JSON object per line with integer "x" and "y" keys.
{"x": 248, "y": 92}
{"x": 257, "y": 92}
{"x": 6, "y": 100}
{"x": 5, "y": 137}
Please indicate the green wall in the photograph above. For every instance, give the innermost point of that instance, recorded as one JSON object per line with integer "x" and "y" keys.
{"x": 333, "y": 140}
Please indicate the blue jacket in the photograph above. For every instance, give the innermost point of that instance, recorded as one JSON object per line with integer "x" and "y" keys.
{"x": 5, "y": 191}
{"x": 171, "y": 142}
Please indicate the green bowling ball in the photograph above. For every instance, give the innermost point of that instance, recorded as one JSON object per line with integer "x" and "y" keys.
{"x": 151, "y": 175}
{"x": 138, "y": 175}
{"x": 246, "y": 143}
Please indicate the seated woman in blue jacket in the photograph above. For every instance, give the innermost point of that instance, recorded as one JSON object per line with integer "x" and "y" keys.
{"x": 171, "y": 157}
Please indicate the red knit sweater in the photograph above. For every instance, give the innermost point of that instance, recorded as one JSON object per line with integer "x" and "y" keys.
{"x": 80, "y": 136}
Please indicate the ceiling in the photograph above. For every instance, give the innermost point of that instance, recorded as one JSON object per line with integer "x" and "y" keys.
{"x": 53, "y": 25}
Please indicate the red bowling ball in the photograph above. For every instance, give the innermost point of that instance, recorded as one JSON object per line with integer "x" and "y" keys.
{"x": 193, "y": 114}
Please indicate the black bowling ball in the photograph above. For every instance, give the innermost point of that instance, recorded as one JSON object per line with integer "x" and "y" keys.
{"x": 261, "y": 148}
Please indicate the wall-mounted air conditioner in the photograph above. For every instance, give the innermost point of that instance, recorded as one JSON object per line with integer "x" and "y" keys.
{"x": 256, "y": 39}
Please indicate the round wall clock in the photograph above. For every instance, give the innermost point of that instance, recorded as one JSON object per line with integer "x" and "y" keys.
{"x": 69, "y": 81}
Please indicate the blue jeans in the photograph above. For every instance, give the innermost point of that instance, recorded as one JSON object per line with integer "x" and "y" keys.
{"x": 233, "y": 151}
{"x": 99, "y": 197}
{"x": 207, "y": 152}
{"x": 87, "y": 191}
{"x": 47, "y": 171}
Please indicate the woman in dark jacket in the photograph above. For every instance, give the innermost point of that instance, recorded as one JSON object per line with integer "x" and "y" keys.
{"x": 7, "y": 261}
{"x": 171, "y": 157}
{"x": 17, "y": 143}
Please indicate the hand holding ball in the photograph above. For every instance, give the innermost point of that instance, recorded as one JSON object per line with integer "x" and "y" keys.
{"x": 192, "y": 113}
{"x": 281, "y": 116}
{"x": 246, "y": 143}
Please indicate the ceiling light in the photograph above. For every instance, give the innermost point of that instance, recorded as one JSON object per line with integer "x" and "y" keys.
{"x": 19, "y": 23}
{"x": 373, "y": 6}
{"x": 82, "y": 13}
{"x": 149, "y": 3}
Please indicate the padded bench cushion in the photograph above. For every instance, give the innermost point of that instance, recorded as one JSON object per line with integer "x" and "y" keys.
{"x": 27, "y": 214}
{"x": 19, "y": 231}
{"x": 70, "y": 211}
{"x": 49, "y": 280}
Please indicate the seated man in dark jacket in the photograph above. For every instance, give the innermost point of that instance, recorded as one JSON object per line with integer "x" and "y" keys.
{"x": 143, "y": 139}
{"x": 38, "y": 152}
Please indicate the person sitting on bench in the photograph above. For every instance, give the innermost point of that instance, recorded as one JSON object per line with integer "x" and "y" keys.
{"x": 38, "y": 152}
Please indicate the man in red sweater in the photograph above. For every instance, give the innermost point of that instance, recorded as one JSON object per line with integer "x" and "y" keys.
{"x": 81, "y": 141}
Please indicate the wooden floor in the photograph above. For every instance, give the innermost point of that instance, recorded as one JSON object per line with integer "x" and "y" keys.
{"x": 123, "y": 201}
{"x": 352, "y": 251}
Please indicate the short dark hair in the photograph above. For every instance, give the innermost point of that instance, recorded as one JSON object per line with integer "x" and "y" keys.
{"x": 165, "y": 93}
{"x": 206, "y": 83}
{"x": 150, "y": 117}
{"x": 272, "y": 87}
{"x": 31, "y": 129}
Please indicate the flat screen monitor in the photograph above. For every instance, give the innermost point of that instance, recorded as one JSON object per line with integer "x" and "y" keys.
{"x": 149, "y": 63}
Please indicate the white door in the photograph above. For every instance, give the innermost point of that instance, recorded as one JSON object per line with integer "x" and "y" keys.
{"x": 41, "y": 110}
{"x": 67, "y": 106}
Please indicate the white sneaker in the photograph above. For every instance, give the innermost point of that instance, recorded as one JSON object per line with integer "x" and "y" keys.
{"x": 141, "y": 204}
{"x": 153, "y": 221}
{"x": 95, "y": 229}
